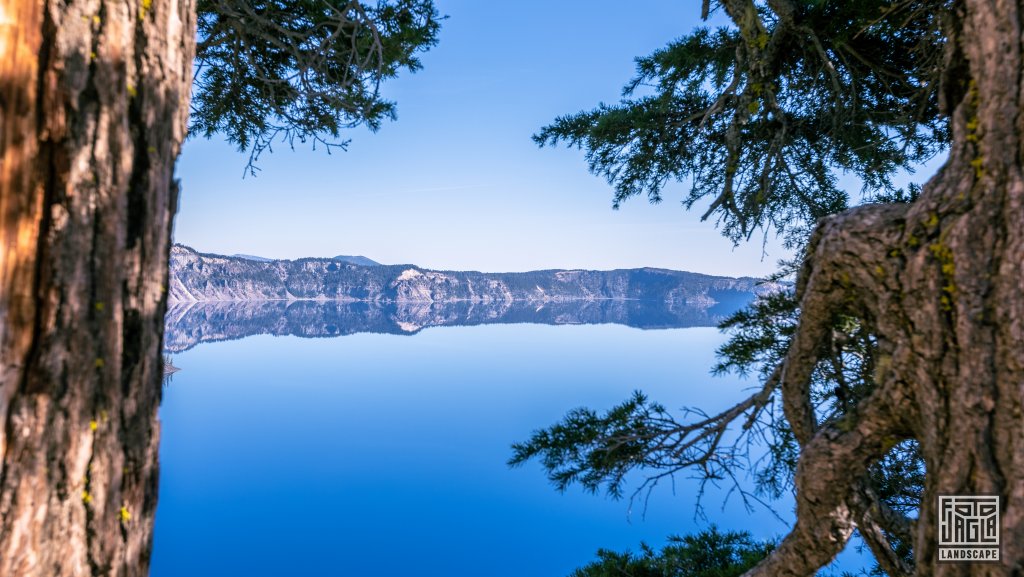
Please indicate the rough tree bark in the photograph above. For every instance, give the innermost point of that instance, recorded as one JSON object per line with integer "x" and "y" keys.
{"x": 941, "y": 283}
{"x": 93, "y": 109}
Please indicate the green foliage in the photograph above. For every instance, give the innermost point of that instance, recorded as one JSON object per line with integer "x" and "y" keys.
{"x": 761, "y": 334}
{"x": 898, "y": 195}
{"x": 899, "y": 477}
{"x": 595, "y": 450}
{"x": 762, "y": 119}
{"x": 899, "y": 481}
{"x": 707, "y": 554}
{"x": 302, "y": 69}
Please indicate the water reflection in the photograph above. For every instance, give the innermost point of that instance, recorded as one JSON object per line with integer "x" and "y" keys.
{"x": 189, "y": 324}
{"x": 377, "y": 455}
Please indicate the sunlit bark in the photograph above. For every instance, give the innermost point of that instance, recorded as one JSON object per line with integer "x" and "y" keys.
{"x": 93, "y": 112}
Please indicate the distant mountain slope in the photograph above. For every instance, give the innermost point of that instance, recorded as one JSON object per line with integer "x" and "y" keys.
{"x": 197, "y": 277}
{"x": 359, "y": 260}
{"x": 251, "y": 257}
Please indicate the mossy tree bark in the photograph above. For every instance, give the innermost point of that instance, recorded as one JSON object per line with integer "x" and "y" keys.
{"x": 93, "y": 110}
{"x": 941, "y": 284}
{"x": 910, "y": 338}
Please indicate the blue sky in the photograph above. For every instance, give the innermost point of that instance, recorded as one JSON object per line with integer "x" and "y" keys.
{"x": 456, "y": 183}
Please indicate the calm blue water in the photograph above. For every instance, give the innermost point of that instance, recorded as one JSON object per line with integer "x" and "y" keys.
{"x": 384, "y": 454}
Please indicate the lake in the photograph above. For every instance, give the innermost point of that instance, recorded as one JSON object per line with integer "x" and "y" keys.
{"x": 380, "y": 446}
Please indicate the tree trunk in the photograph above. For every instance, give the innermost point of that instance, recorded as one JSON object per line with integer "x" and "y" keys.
{"x": 941, "y": 283}
{"x": 93, "y": 109}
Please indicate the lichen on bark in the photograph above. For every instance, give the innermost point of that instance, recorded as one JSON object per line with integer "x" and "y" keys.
{"x": 91, "y": 138}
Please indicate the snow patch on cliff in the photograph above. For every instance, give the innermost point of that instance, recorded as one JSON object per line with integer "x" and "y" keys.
{"x": 409, "y": 274}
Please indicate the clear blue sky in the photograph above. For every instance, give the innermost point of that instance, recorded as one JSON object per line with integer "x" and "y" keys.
{"x": 456, "y": 183}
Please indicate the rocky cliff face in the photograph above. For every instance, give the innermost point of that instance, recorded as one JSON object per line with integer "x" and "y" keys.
{"x": 198, "y": 277}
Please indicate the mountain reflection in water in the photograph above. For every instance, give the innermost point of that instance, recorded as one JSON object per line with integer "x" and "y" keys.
{"x": 189, "y": 324}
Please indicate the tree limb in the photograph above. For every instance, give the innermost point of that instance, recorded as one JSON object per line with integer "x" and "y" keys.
{"x": 830, "y": 468}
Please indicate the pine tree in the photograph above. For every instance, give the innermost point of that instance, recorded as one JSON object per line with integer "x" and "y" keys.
{"x": 93, "y": 109}
{"x": 892, "y": 374}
